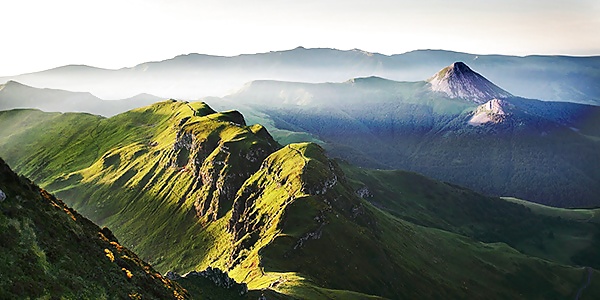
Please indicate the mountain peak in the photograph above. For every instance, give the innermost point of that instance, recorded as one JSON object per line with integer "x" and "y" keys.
{"x": 14, "y": 83}
{"x": 460, "y": 66}
{"x": 459, "y": 81}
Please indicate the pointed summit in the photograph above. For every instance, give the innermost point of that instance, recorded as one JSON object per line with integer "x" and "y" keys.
{"x": 459, "y": 81}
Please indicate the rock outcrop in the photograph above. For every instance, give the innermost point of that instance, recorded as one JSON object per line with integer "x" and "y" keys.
{"x": 364, "y": 192}
{"x": 494, "y": 111}
{"x": 216, "y": 276}
{"x": 220, "y": 162}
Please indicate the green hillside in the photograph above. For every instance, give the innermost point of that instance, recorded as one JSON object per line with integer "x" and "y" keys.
{"x": 49, "y": 251}
{"x": 187, "y": 187}
{"x": 568, "y": 236}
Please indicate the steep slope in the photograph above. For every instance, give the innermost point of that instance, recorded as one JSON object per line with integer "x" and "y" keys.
{"x": 459, "y": 81}
{"x": 48, "y": 250}
{"x": 328, "y": 234}
{"x": 190, "y": 76}
{"x": 187, "y": 188}
{"x": 16, "y": 95}
{"x": 185, "y": 160}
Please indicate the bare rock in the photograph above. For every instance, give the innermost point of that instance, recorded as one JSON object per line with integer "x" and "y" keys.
{"x": 172, "y": 276}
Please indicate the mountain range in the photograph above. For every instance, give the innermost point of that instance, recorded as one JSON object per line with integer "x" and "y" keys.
{"x": 457, "y": 126}
{"x": 16, "y": 95}
{"x": 191, "y": 76}
{"x": 318, "y": 202}
{"x": 187, "y": 187}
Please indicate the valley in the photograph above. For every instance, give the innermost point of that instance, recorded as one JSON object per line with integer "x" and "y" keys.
{"x": 493, "y": 142}
{"x": 299, "y": 190}
{"x": 299, "y": 150}
{"x": 187, "y": 187}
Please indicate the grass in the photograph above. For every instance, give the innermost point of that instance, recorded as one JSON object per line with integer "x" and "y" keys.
{"x": 48, "y": 251}
{"x": 560, "y": 235}
{"x": 579, "y": 215}
{"x": 186, "y": 187}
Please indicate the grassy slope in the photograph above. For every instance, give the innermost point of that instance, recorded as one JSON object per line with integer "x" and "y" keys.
{"x": 48, "y": 250}
{"x": 140, "y": 180}
{"x": 581, "y": 215}
{"x": 541, "y": 231}
{"x": 149, "y": 189}
{"x": 364, "y": 249}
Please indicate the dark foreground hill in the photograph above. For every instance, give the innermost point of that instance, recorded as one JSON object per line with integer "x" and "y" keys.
{"x": 187, "y": 187}
{"x": 48, "y": 250}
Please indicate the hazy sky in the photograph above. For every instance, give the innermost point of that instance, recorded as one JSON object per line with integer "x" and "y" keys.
{"x": 41, "y": 34}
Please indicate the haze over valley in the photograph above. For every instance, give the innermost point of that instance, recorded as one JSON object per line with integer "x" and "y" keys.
{"x": 131, "y": 170}
{"x": 192, "y": 76}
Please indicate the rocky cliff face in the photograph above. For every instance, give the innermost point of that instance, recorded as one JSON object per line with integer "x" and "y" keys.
{"x": 220, "y": 161}
{"x": 459, "y": 81}
{"x": 294, "y": 176}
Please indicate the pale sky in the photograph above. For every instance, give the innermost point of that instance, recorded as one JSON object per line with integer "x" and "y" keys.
{"x": 42, "y": 34}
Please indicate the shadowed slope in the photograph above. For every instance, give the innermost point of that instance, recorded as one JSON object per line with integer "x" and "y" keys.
{"x": 49, "y": 250}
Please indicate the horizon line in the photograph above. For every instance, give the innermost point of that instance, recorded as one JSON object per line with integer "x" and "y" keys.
{"x": 304, "y": 48}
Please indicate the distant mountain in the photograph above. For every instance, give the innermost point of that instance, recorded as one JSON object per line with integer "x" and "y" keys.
{"x": 48, "y": 250}
{"x": 188, "y": 187}
{"x": 191, "y": 76}
{"x": 16, "y": 95}
{"x": 507, "y": 146}
{"x": 459, "y": 81}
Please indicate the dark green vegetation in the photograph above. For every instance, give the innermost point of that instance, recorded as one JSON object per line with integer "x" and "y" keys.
{"x": 569, "y": 236}
{"x": 557, "y": 78}
{"x": 48, "y": 250}
{"x": 187, "y": 187}
{"x": 378, "y": 123}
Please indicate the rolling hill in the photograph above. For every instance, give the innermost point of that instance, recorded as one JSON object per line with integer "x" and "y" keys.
{"x": 187, "y": 187}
